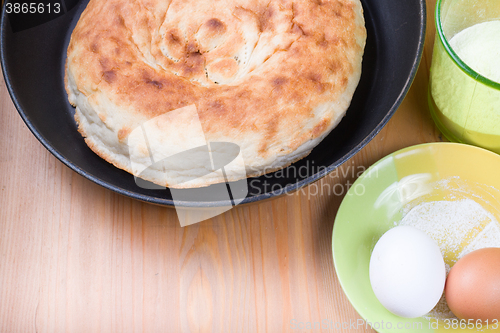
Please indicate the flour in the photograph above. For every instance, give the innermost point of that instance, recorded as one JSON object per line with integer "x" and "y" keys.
{"x": 458, "y": 227}
{"x": 470, "y": 110}
{"x": 452, "y": 224}
{"x": 479, "y": 47}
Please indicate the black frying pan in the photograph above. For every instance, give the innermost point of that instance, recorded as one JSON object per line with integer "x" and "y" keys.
{"x": 33, "y": 52}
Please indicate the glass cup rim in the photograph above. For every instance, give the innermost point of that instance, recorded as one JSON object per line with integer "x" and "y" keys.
{"x": 456, "y": 59}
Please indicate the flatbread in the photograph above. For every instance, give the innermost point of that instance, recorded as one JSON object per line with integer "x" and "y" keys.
{"x": 272, "y": 77}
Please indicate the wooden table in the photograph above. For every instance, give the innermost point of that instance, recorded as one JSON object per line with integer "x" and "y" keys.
{"x": 75, "y": 257}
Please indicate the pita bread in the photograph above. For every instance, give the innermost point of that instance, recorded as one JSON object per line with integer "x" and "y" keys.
{"x": 272, "y": 77}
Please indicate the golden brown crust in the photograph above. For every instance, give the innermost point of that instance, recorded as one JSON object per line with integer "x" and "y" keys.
{"x": 257, "y": 71}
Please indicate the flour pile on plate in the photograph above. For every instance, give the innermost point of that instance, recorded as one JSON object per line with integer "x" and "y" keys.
{"x": 271, "y": 77}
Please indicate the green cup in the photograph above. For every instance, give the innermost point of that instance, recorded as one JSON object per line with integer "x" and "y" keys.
{"x": 464, "y": 104}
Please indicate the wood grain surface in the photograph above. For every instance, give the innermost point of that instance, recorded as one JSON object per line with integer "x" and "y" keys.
{"x": 75, "y": 257}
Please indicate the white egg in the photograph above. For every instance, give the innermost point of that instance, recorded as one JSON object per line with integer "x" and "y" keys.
{"x": 407, "y": 272}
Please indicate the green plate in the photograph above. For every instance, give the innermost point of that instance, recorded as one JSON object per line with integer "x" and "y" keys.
{"x": 375, "y": 203}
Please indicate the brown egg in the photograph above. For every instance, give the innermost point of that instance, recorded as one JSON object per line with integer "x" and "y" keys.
{"x": 473, "y": 286}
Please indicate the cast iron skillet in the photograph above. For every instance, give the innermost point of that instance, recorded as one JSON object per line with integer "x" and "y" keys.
{"x": 33, "y": 59}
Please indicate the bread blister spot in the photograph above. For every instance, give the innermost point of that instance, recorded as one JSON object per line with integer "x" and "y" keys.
{"x": 123, "y": 133}
{"x": 154, "y": 83}
{"x": 109, "y": 76}
{"x": 216, "y": 25}
{"x": 345, "y": 81}
{"x": 320, "y": 128}
{"x": 317, "y": 80}
{"x": 120, "y": 21}
{"x": 279, "y": 82}
{"x": 266, "y": 19}
{"x": 173, "y": 38}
